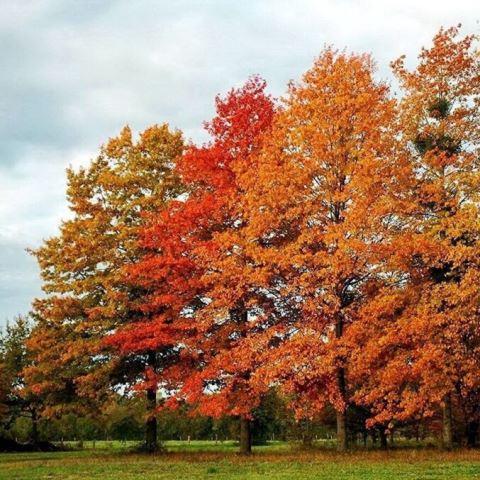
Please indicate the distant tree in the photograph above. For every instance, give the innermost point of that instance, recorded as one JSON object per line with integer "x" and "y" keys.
{"x": 17, "y": 399}
{"x": 4, "y": 390}
{"x": 123, "y": 418}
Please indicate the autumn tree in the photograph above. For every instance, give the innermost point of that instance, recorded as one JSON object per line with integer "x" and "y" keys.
{"x": 425, "y": 353}
{"x": 174, "y": 273}
{"x": 317, "y": 219}
{"x": 243, "y": 122}
{"x": 82, "y": 268}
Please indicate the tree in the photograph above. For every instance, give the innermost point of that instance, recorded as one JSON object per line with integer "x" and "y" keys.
{"x": 425, "y": 351}
{"x": 4, "y": 390}
{"x": 244, "y": 120}
{"x": 16, "y": 399}
{"x": 87, "y": 297}
{"x": 317, "y": 228}
{"x": 174, "y": 273}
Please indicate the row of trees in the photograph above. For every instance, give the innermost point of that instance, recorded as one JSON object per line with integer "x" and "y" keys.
{"x": 122, "y": 417}
{"x": 326, "y": 245}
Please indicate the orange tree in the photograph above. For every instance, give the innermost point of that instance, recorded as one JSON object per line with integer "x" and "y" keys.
{"x": 418, "y": 347}
{"x": 87, "y": 296}
{"x": 314, "y": 229}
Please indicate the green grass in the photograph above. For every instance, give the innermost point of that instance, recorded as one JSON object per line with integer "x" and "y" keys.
{"x": 206, "y": 460}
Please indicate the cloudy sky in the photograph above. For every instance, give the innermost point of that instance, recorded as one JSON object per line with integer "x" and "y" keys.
{"x": 75, "y": 71}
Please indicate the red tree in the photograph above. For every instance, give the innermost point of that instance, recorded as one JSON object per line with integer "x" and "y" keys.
{"x": 178, "y": 239}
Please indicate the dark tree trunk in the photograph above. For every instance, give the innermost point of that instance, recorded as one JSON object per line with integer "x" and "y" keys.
{"x": 341, "y": 431}
{"x": 151, "y": 423}
{"x": 472, "y": 434}
{"x": 307, "y": 439}
{"x": 34, "y": 438}
{"x": 447, "y": 441}
{"x": 383, "y": 438}
{"x": 151, "y": 441}
{"x": 245, "y": 436}
{"x": 239, "y": 315}
{"x": 342, "y": 434}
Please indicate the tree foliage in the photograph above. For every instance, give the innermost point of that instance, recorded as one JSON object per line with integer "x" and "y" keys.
{"x": 82, "y": 267}
{"x": 326, "y": 245}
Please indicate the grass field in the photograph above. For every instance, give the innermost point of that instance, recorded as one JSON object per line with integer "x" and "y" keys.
{"x": 205, "y": 460}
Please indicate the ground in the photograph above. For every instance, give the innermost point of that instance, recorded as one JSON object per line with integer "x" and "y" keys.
{"x": 207, "y": 460}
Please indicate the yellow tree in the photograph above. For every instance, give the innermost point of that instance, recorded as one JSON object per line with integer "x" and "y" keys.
{"x": 87, "y": 294}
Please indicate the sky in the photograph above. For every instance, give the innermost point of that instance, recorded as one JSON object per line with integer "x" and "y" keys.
{"x": 75, "y": 71}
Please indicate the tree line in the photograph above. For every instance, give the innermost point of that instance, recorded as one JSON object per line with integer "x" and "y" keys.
{"x": 324, "y": 245}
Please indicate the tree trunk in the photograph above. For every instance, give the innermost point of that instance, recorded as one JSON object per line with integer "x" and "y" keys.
{"x": 383, "y": 438}
{"x": 341, "y": 431}
{"x": 342, "y": 443}
{"x": 245, "y": 436}
{"x": 151, "y": 441}
{"x": 151, "y": 423}
{"x": 307, "y": 439}
{"x": 447, "y": 442}
{"x": 239, "y": 315}
{"x": 34, "y": 438}
{"x": 472, "y": 433}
